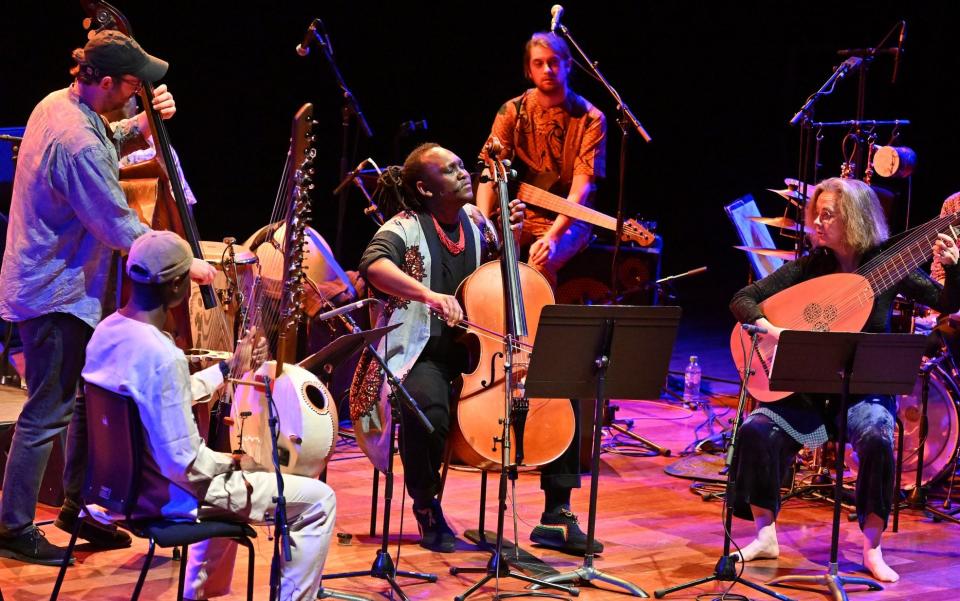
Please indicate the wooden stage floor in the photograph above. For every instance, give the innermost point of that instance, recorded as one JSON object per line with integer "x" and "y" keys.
{"x": 657, "y": 533}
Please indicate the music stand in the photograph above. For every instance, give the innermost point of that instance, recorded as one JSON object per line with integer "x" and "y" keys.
{"x": 845, "y": 363}
{"x": 600, "y": 352}
{"x": 345, "y": 346}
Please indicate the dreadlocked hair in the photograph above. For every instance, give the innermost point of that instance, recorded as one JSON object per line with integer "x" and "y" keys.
{"x": 397, "y": 186}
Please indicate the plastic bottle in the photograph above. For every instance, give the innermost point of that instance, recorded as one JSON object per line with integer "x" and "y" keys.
{"x": 691, "y": 381}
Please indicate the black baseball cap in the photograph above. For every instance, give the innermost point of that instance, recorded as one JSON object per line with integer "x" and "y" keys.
{"x": 112, "y": 53}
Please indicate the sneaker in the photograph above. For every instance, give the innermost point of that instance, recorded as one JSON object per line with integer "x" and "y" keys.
{"x": 32, "y": 547}
{"x": 560, "y": 530}
{"x": 99, "y": 535}
{"x": 435, "y": 534}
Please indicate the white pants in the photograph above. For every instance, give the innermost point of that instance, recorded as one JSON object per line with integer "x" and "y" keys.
{"x": 311, "y": 512}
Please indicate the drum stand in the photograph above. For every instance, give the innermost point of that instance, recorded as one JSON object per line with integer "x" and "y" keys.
{"x": 917, "y": 499}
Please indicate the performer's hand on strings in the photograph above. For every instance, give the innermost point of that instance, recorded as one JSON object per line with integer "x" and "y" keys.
{"x": 446, "y": 306}
{"x": 251, "y": 352}
{"x": 945, "y": 250}
{"x": 773, "y": 332}
{"x": 517, "y": 209}
{"x": 542, "y": 250}
{"x": 163, "y": 102}
{"x": 202, "y": 272}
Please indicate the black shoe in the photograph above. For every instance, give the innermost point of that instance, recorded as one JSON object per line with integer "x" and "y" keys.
{"x": 101, "y": 536}
{"x": 435, "y": 534}
{"x": 560, "y": 530}
{"x": 32, "y": 547}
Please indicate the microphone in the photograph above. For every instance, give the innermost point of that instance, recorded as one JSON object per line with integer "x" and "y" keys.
{"x": 850, "y": 64}
{"x": 865, "y": 51}
{"x": 349, "y": 177}
{"x": 899, "y": 51}
{"x": 346, "y": 309}
{"x": 556, "y": 11}
{"x": 412, "y": 126}
{"x": 752, "y": 329}
{"x": 303, "y": 48}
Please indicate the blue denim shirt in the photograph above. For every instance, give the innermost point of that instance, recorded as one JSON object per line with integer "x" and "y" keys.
{"x": 68, "y": 213}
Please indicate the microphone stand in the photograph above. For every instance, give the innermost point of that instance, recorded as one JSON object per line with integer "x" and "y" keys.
{"x": 383, "y": 566}
{"x": 726, "y": 568}
{"x": 351, "y": 109}
{"x": 627, "y": 122}
{"x": 281, "y": 530}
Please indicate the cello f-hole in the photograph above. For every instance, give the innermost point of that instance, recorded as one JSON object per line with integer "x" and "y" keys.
{"x": 493, "y": 370}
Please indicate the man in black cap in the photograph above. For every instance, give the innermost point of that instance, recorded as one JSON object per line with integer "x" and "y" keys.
{"x": 67, "y": 217}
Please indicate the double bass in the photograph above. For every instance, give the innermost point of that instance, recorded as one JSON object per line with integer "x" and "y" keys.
{"x": 505, "y": 296}
{"x": 158, "y": 194}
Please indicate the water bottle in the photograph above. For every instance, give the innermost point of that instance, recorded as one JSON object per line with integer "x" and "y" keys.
{"x": 691, "y": 381}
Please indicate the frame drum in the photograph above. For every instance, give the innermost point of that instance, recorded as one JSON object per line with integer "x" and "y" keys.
{"x": 233, "y": 279}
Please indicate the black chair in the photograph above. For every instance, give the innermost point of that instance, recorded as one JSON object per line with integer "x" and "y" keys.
{"x": 113, "y": 481}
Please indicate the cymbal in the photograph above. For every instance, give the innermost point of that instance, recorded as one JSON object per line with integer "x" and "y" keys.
{"x": 787, "y": 255}
{"x": 796, "y": 184}
{"x": 781, "y": 222}
{"x": 794, "y": 196}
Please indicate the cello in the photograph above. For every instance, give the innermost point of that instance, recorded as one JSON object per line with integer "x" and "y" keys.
{"x": 500, "y": 296}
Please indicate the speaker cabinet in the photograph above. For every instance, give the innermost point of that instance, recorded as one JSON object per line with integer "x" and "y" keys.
{"x": 586, "y": 280}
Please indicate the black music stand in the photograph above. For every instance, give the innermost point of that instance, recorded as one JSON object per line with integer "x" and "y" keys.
{"x": 845, "y": 363}
{"x": 601, "y": 352}
{"x": 344, "y": 347}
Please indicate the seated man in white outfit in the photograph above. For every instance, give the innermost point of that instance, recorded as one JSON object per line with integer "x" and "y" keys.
{"x": 131, "y": 355}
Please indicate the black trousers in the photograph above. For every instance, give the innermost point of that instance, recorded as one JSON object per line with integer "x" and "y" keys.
{"x": 430, "y": 383}
{"x": 765, "y": 454}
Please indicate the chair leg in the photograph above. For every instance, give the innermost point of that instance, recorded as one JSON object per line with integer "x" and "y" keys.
{"x": 183, "y": 571}
{"x": 143, "y": 571}
{"x": 447, "y": 454}
{"x": 66, "y": 560}
{"x": 250, "y": 565}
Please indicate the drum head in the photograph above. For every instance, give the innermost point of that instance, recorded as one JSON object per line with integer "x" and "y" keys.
{"x": 215, "y": 253}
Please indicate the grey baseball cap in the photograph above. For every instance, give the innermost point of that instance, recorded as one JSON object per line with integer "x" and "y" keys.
{"x": 112, "y": 53}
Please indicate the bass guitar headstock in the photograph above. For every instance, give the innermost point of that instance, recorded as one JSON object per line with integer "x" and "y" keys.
{"x": 639, "y": 232}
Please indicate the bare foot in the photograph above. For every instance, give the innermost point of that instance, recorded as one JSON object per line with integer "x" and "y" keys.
{"x": 762, "y": 547}
{"x": 873, "y": 560}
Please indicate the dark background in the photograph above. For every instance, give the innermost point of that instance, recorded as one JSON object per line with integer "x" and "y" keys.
{"x": 714, "y": 83}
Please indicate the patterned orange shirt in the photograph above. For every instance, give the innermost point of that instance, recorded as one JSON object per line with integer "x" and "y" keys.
{"x": 568, "y": 139}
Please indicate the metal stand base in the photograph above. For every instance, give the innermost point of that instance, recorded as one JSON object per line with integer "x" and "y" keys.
{"x": 726, "y": 571}
{"x": 832, "y": 580}
{"x": 588, "y": 573}
{"x": 498, "y": 567}
{"x": 382, "y": 568}
{"x": 917, "y": 499}
{"x": 659, "y": 450}
{"x": 332, "y": 594}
